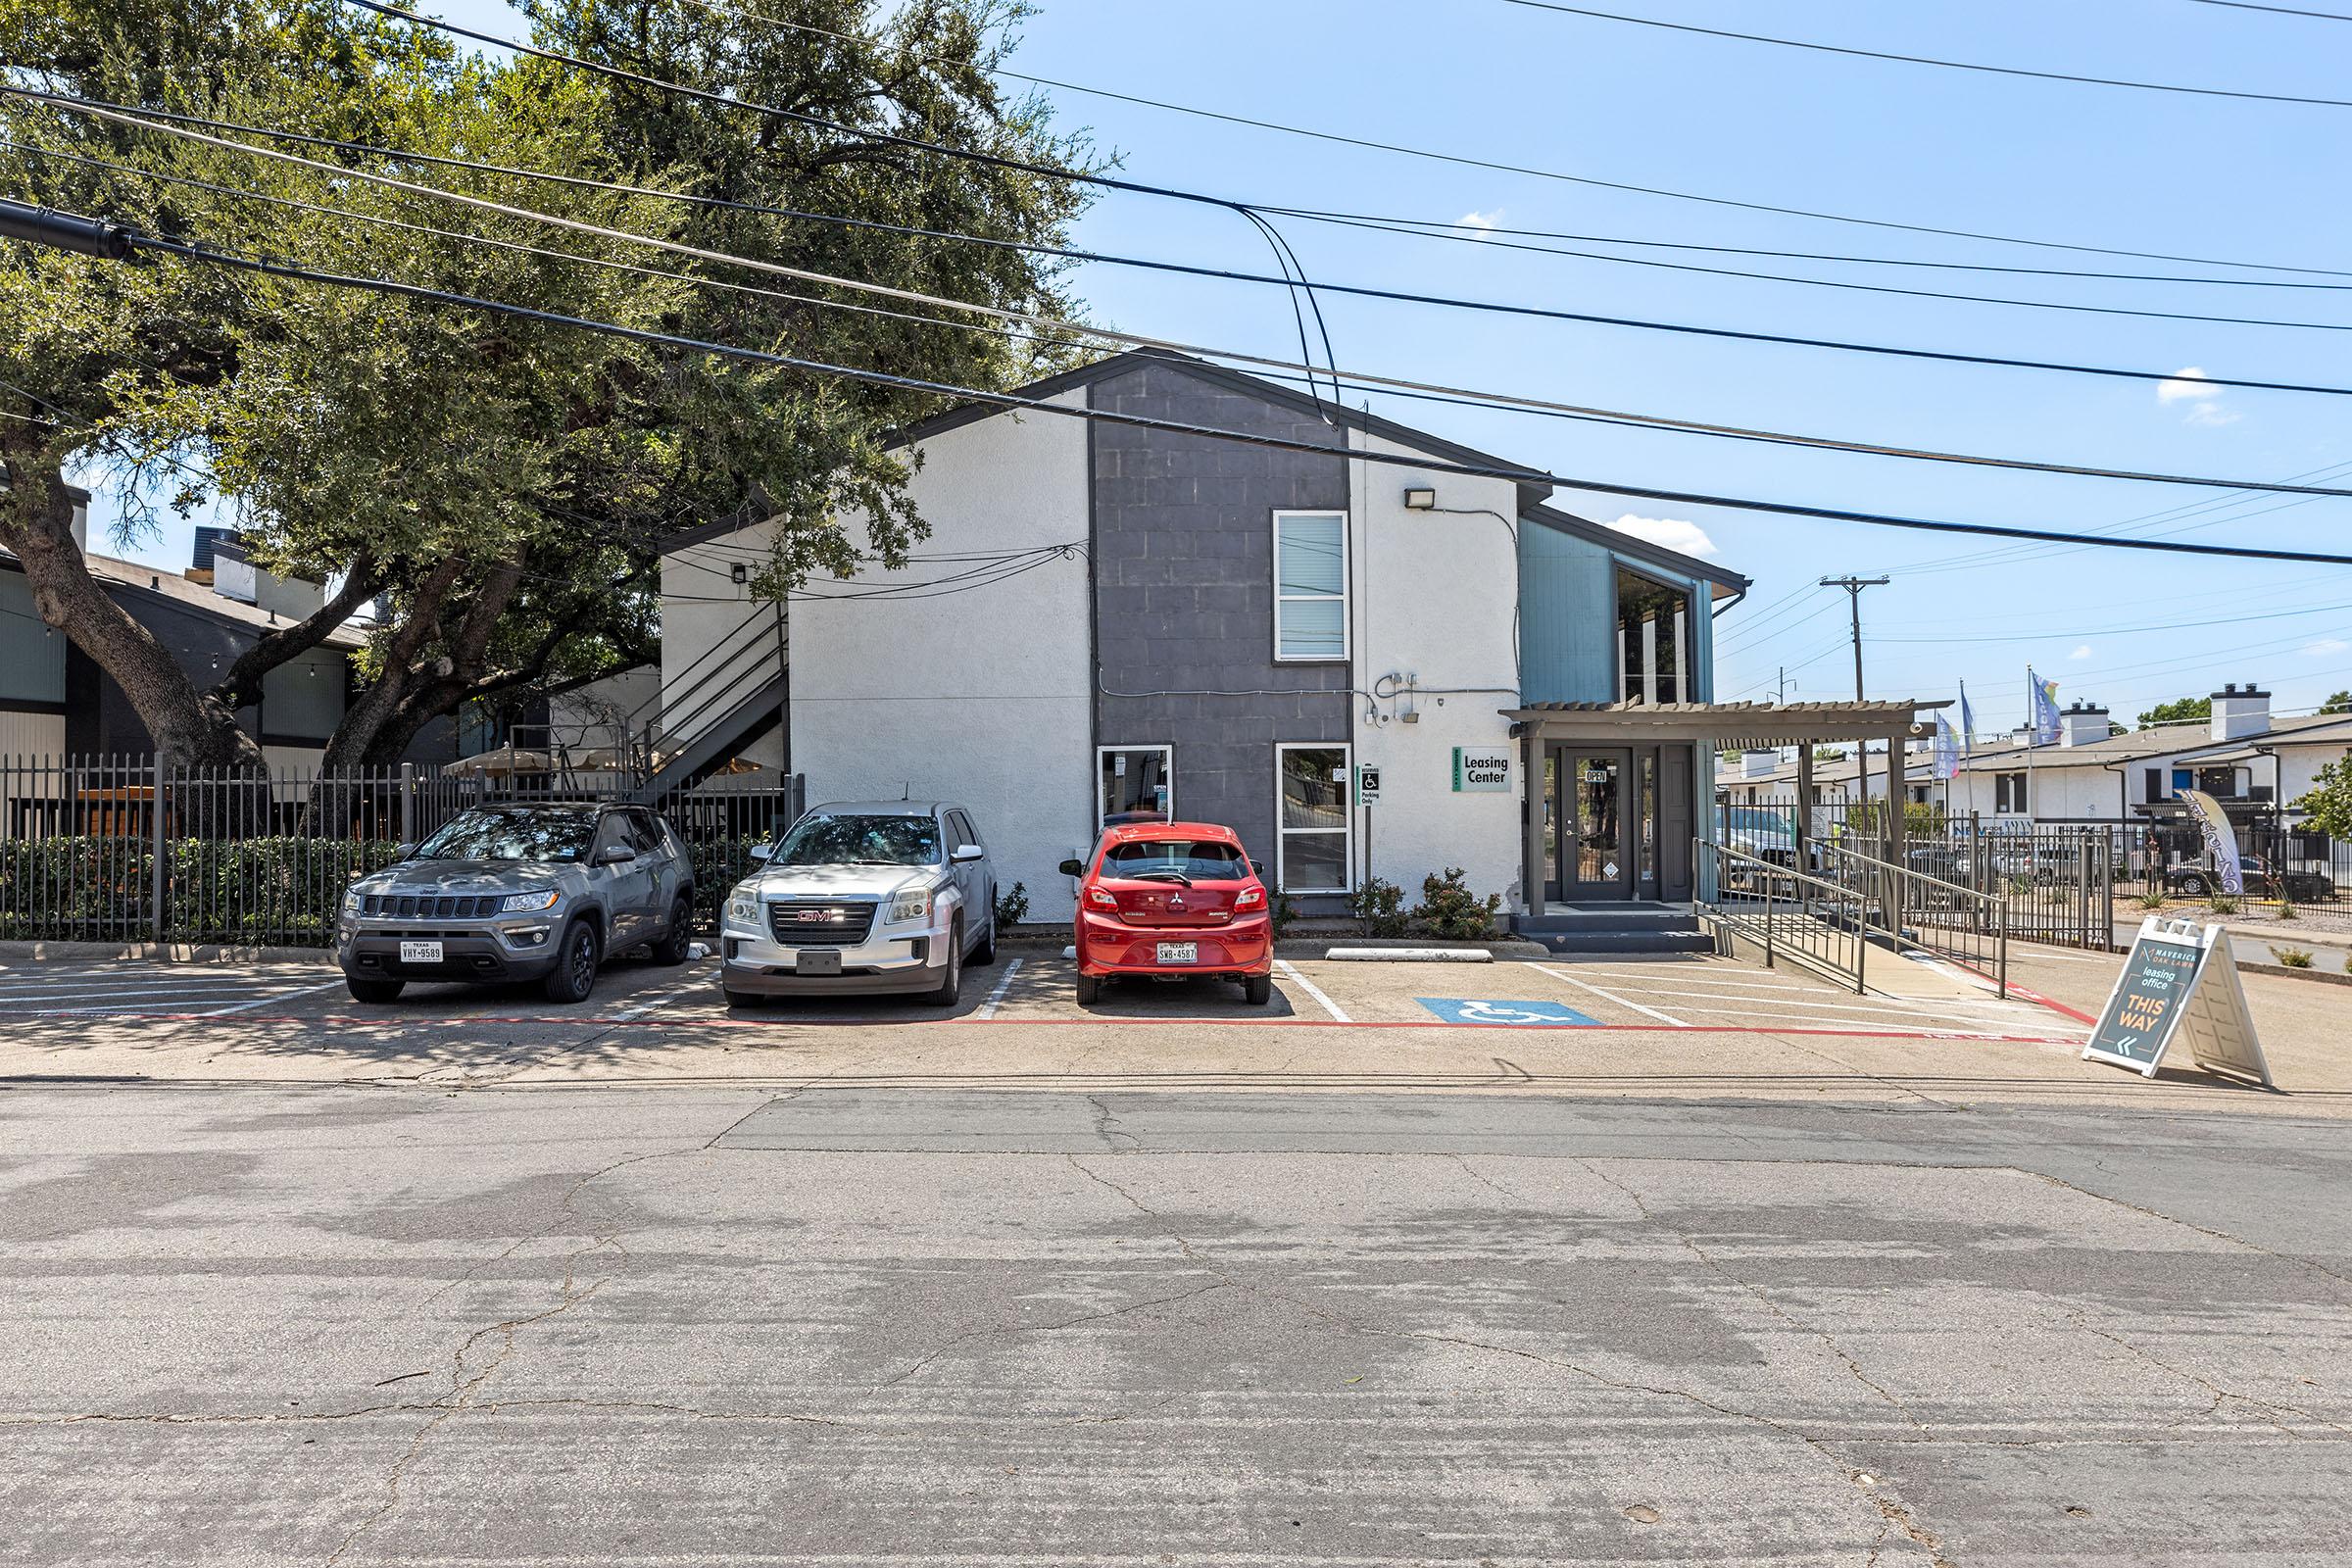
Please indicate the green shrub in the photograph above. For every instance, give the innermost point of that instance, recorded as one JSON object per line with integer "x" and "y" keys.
{"x": 1013, "y": 904}
{"x": 2292, "y": 957}
{"x": 82, "y": 888}
{"x": 1282, "y": 914}
{"x": 2149, "y": 900}
{"x": 2222, "y": 903}
{"x": 285, "y": 891}
{"x": 2288, "y": 911}
{"x": 1451, "y": 909}
{"x": 1380, "y": 904}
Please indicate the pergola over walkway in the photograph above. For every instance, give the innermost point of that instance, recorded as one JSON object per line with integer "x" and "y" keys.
{"x": 1718, "y": 726}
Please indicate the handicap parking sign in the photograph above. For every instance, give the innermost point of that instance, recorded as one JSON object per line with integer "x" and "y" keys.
{"x": 1527, "y": 1014}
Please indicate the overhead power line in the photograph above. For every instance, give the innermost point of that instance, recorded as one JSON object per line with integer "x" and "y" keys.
{"x": 2284, "y": 11}
{"x": 1466, "y": 162}
{"x": 1928, "y": 60}
{"x": 1009, "y": 399}
{"x": 108, "y": 111}
{"x": 1346, "y": 380}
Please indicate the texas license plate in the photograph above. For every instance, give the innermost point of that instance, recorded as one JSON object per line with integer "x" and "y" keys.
{"x": 817, "y": 960}
{"x": 1180, "y": 952}
{"x": 420, "y": 953}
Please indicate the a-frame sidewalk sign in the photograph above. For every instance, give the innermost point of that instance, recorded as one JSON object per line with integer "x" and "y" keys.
{"x": 2179, "y": 982}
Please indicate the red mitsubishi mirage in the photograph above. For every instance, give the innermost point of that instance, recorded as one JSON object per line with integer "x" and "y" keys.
{"x": 1160, "y": 899}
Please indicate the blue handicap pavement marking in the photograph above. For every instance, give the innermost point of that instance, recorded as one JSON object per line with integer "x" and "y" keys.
{"x": 1532, "y": 1014}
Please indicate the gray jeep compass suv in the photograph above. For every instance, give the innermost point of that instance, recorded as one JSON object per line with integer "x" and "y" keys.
{"x": 540, "y": 892}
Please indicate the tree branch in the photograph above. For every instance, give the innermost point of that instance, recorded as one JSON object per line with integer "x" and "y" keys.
{"x": 241, "y": 684}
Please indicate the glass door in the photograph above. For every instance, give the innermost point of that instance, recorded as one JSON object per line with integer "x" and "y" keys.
{"x": 1597, "y": 849}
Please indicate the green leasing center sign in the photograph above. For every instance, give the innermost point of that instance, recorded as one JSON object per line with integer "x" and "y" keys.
{"x": 1481, "y": 769}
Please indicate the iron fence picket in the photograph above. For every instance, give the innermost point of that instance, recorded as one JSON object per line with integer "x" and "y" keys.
{"x": 121, "y": 849}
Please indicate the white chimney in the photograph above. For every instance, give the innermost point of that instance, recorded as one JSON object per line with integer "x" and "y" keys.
{"x": 2240, "y": 711}
{"x": 1758, "y": 763}
{"x": 2082, "y": 724}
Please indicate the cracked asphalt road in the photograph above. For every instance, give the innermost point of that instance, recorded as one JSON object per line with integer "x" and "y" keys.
{"x": 557, "y": 1324}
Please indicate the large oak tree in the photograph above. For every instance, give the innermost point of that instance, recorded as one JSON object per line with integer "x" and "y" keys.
{"x": 500, "y": 485}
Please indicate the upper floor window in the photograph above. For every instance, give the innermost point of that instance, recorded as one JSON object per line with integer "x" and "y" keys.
{"x": 1311, "y": 585}
{"x": 1654, "y": 659}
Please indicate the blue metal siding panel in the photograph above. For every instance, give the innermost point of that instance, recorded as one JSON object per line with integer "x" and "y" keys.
{"x": 33, "y": 657}
{"x": 1567, "y": 639}
{"x": 1702, "y": 648}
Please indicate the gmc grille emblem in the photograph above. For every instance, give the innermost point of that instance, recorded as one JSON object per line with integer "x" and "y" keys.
{"x": 836, "y": 916}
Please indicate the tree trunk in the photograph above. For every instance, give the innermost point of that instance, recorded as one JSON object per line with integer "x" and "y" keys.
{"x": 190, "y": 728}
{"x": 353, "y": 742}
{"x": 418, "y": 705}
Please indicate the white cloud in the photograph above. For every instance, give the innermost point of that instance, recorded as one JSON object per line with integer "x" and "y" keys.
{"x": 1483, "y": 223}
{"x": 1673, "y": 533}
{"x": 2083, "y": 651}
{"x": 2188, "y": 383}
{"x": 2326, "y": 645}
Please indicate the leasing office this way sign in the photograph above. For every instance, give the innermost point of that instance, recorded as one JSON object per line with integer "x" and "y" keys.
{"x": 2178, "y": 983}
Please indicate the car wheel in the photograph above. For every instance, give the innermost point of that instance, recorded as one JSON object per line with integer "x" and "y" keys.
{"x": 574, "y": 973}
{"x": 951, "y": 985}
{"x": 986, "y": 953}
{"x": 1259, "y": 990}
{"x": 1090, "y": 989}
{"x": 374, "y": 992}
{"x": 2196, "y": 886}
{"x": 679, "y": 937}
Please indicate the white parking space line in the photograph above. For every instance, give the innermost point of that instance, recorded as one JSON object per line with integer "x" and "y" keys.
{"x": 1608, "y": 995}
{"x": 996, "y": 992}
{"x": 1289, "y": 972}
{"x": 335, "y": 983}
{"x": 166, "y": 1003}
{"x": 1927, "y": 1023}
{"x": 66, "y": 995}
{"x": 654, "y": 996}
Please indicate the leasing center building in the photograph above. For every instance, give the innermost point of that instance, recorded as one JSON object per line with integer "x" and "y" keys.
{"x": 1365, "y": 669}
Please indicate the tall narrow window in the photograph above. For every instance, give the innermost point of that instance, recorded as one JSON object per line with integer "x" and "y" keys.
{"x": 1311, "y": 585}
{"x": 1311, "y": 855}
{"x": 1137, "y": 785}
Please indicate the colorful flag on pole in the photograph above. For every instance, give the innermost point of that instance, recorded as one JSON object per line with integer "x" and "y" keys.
{"x": 1947, "y": 748}
{"x": 1968, "y": 720}
{"x": 2044, "y": 715}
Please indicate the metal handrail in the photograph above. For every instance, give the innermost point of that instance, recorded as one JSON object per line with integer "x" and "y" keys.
{"x": 1795, "y": 918}
{"x": 1930, "y": 905}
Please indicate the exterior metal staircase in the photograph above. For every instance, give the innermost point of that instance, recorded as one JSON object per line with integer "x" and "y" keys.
{"x": 731, "y": 696}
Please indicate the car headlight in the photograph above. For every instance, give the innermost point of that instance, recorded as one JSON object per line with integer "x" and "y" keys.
{"x": 525, "y": 903}
{"x": 742, "y": 907}
{"x": 351, "y": 901}
{"x": 915, "y": 905}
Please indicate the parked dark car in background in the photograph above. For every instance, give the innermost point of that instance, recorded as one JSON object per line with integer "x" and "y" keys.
{"x": 2200, "y": 881}
{"x": 542, "y": 891}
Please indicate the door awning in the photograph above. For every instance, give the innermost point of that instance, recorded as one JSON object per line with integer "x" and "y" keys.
{"x": 1723, "y": 725}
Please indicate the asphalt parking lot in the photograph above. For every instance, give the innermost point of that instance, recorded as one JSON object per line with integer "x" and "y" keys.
{"x": 1036, "y": 987}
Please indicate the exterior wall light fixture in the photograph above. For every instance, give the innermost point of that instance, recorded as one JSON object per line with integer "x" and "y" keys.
{"x": 1418, "y": 498}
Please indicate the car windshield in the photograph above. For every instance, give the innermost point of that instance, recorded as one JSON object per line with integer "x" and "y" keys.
{"x": 847, "y": 839}
{"x": 1194, "y": 860}
{"x": 541, "y": 835}
{"x": 1755, "y": 819}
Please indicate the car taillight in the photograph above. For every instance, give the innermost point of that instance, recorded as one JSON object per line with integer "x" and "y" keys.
{"x": 1251, "y": 898}
{"x": 1100, "y": 899}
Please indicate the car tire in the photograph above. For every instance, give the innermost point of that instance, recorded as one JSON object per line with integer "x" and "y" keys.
{"x": 951, "y": 984}
{"x": 574, "y": 973}
{"x": 374, "y": 993}
{"x": 1257, "y": 990}
{"x": 2196, "y": 886}
{"x": 1090, "y": 989}
{"x": 986, "y": 953}
{"x": 680, "y": 938}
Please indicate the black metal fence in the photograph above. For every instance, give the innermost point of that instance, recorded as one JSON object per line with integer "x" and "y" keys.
{"x": 120, "y": 850}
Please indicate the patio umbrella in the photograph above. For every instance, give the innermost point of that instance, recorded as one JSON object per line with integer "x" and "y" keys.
{"x": 504, "y": 762}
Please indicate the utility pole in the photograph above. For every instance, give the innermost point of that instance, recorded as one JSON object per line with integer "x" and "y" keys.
{"x": 1853, "y": 587}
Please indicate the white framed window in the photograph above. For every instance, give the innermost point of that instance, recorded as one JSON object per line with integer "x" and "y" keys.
{"x": 1310, "y": 586}
{"x": 1134, "y": 784}
{"x": 1313, "y": 848}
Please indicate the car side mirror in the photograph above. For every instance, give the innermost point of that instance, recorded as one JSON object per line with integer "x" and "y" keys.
{"x": 1257, "y": 869}
{"x": 615, "y": 855}
{"x": 965, "y": 854}
{"x": 1073, "y": 868}
{"x": 760, "y": 852}
{"x": 404, "y": 851}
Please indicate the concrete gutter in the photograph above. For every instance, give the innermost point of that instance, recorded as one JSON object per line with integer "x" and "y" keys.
{"x": 159, "y": 953}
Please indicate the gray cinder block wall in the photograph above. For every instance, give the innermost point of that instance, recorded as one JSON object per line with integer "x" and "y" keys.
{"x": 1184, "y": 571}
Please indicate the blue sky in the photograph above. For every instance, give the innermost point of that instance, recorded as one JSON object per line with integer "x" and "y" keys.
{"x": 1911, "y": 144}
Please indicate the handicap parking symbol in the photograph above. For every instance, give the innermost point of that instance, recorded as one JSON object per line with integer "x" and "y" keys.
{"x": 1527, "y": 1014}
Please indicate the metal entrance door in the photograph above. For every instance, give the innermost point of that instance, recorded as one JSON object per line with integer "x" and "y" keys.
{"x": 1598, "y": 801}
